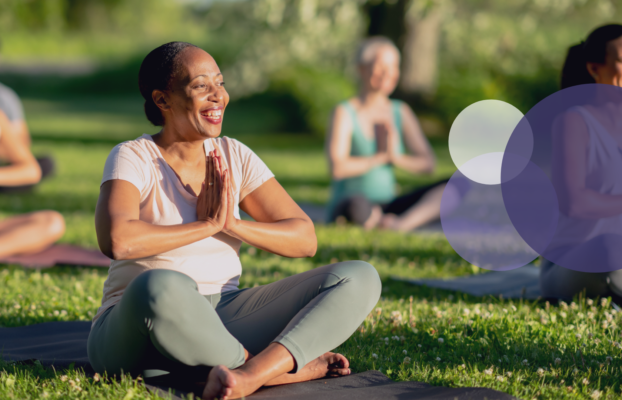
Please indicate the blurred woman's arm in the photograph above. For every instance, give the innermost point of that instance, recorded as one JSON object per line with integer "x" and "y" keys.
{"x": 570, "y": 149}
{"x": 420, "y": 157}
{"x": 338, "y": 144}
{"x": 23, "y": 168}
{"x": 280, "y": 226}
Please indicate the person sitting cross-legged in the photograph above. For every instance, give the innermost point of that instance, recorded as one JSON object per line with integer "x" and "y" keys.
{"x": 370, "y": 134}
{"x": 11, "y": 106}
{"x": 168, "y": 216}
{"x": 27, "y": 233}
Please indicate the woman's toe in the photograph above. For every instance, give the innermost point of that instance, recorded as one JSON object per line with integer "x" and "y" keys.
{"x": 339, "y": 371}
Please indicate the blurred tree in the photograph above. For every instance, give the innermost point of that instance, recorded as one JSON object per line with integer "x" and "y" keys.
{"x": 415, "y": 27}
{"x": 423, "y": 21}
{"x": 302, "y": 48}
{"x": 271, "y": 35}
{"x": 455, "y": 52}
{"x": 89, "y": 15}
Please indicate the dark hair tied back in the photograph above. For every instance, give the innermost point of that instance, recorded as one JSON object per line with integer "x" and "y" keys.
{"x": 594, "y": 49}
{"x": 156, "y": 72}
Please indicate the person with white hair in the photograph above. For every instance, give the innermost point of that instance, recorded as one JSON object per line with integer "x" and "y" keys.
{"x": 370, "y": 134}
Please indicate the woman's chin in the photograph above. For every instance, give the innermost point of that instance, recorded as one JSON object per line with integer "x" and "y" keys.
{"x": 212, "y": 131}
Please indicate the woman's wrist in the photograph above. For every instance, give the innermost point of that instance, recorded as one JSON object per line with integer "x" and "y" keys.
{"x": 209, "y": 227}
{"x": 233, "y": 228}
{"x": 380, "y": 159}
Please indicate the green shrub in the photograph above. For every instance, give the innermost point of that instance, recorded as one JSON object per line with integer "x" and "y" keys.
{"x": 315, "y": 91}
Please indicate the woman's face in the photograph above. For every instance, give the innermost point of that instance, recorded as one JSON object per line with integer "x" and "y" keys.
{"x": 384, "y": 73}
{"x": 196, "y": 99}
{"x": 609, "y": 73}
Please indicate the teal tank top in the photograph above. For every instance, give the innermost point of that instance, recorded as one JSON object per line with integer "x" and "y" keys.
{"x": 377, "y": 184}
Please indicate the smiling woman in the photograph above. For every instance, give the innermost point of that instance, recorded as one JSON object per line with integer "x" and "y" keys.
{"x": 168, "y": 215}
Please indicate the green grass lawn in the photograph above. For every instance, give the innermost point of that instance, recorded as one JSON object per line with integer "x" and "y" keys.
{"x": 530, "y": 350}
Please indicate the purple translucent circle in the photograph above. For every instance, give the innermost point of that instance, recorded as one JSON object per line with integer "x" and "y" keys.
{"x": 478, "y": 227}
{"x": 577, "y": 148}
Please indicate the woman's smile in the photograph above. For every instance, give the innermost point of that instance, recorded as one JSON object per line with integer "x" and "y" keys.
{"x": 213, "y": 115}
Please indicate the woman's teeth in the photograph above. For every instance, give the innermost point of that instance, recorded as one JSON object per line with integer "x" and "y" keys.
{"x": 212, "y": 114}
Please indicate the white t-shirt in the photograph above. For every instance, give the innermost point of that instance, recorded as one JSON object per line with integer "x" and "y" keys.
{"x": 214, "y": 263}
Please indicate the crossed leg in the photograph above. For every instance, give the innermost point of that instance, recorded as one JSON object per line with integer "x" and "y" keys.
{"x": 30, "y": 233}
{"x": 290, "y": 325}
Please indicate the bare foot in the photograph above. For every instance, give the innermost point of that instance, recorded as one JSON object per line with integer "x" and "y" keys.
{"x": 374, "y": 218}
{"x": 389, "y": 221}
{"x": 220, "y": 383}
{"x": 327, "y": 365}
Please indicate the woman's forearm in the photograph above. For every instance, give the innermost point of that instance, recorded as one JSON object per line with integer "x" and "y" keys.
{"x": 356, "y": 166}
{"x": 415, "y": 164}
{"x": 20, "y": 174}
{"x": 588, "y": 204}
{"x": 137, "y": 239}
{"x": 288, "y": 238}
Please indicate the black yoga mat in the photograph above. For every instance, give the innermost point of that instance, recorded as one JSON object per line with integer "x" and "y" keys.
{"x": 63, "y": 343}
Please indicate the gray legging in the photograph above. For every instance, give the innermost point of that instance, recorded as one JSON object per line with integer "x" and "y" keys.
{"x": 163, "y": 325}
{"x": 563, "y": 283}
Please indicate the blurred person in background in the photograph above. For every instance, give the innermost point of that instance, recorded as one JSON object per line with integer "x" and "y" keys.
{"x": 11, "y": 106}
{"x": 370, "y": 134}
{"x": 587, "y": 145}
{"x": 32, "y": 232}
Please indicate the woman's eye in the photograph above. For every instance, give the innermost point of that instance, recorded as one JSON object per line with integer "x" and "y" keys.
{"x": 199, "y": 86}
{"x": 222, "y": 84}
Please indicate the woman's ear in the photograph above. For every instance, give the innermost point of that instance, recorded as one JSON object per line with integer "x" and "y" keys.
{"x": 160, "y": 100}
{"x": 592, "y": 69}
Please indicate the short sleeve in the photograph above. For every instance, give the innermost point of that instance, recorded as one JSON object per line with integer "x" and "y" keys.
{"x": 254, "y": 171}
{"x": 10, "y": 104}
{"x": 123, "y": 163}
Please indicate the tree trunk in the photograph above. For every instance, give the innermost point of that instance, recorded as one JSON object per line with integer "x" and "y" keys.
{"x": 420, "y": 51}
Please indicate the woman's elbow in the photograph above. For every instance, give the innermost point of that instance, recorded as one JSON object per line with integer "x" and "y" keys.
{"x": 117, "y": 250}
{"x": 430, "y": 165}
{"x": 576, "y": 210}
{"x": 578, "y": 207}
{"x": 310, "y": 244}
{"x": 33, "y": 175}
{"x": 336, "y": 173}
{"x": 311, "y": 248}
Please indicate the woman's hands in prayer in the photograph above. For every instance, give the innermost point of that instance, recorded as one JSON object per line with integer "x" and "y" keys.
{"x": 213, "y": 202}
{"x": 231, "y": 221}
{"x": 386, "y": 141}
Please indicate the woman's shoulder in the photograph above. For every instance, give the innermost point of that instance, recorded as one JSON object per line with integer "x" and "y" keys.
{"x": 348, "y": 104}
{"x": 346, "y": 109}
{"x": 401, "y": 105}
{"x": 140, "y": 148}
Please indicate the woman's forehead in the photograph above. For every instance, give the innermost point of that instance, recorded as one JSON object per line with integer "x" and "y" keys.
{"x": 387, "y": 55}
{"x": 195, "y": 62}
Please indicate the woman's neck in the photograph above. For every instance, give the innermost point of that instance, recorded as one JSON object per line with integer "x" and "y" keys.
{"x": 372, "y": 98}
{"x": 179, "y": 147}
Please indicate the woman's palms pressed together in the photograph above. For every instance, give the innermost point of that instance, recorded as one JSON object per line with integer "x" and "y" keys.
{"x": 214, "y": 203}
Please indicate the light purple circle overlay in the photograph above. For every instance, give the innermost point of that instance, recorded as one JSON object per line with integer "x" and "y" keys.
{"x": 478, "y": 227}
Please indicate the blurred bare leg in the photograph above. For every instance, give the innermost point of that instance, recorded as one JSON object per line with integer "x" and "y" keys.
{"x": 374, "y": 219}
{"x": 30, "y": 233}
{"x": 425, "y": 210}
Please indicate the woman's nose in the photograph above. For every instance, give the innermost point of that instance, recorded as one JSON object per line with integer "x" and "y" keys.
{"x": 215, "y": 95}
